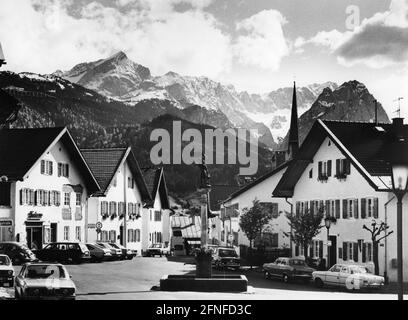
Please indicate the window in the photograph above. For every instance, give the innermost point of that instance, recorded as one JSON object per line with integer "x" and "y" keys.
{"x": 325, "y": 168}
{"x": 63, "y": 170}
{"x": 131, "y": 183}
{"x": 350, "y": 251}
{"x": 46, "y": 167}
{"x": 104, "y": 208}
{"x": 78, "y": 199}
{"x": 67, "y": 199}
{"x": 272, "y": 208}
{"x": 5, "y": 188}
{"x": 369, "y": 208}
{"x": 112, "y": 209}
{"x": 112, "y": 236}
{"x": 66, "y": 233}
{"x": 42, "y": 198}
{"x": 27, "y": 197}
{"x": 350, "y": 208}
{"x": 317, "y": 249}
{"x": 121, "y": 208}
{"x": 178, "y": 233}
{"x": 367, "y": 252}
{"x": 311, "y": 174}
{"x": 115, "y": 181}
{"x": 157, "y": 216}
{"x": 78, "y": 233}
{"x": 134, "y": 235}
{"x": 342, "y": 168}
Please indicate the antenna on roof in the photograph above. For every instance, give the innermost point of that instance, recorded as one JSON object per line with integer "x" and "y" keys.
{"x": 2, "y": 59}
{"x": 399, "y": 106}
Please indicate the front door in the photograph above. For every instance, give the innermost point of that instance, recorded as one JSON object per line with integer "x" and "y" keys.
{"x": 34, "y": 237}
{"x": 333, "y": 251}
{"x": 121, "y": 236}
{"x": 54, "y": 232}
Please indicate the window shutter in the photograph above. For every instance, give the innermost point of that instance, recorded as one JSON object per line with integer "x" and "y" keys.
{"x": 370, "y": 253}
{"x": 345, "y": 252}
{"x": 21, "y": 196}
{"x": 363, "y": 208}
{"x": 42, "y": 166}
{"x": 337, "y": 209}
{"x": 320, "y": 249}
{"x": 327, "y": 208}
{"x": 297, "y": 208}
{"x": 355, "y": 251}
{"x": 337, "y": 167}
{"x": 37, "y": 197}
{"x": 59, "y": 169}
{"x": 296, "y": 251}
{"x": 51, "y": 168}
{"x": 376, "y": 208}
{"x": 321, "y": 205}
{"x": 364, "y": 252}
{"x": 320, "y": 170}
{"x": 355, "y": 201}
{"x": 347, "y": 166}
{"x": 340, "y": 253}
{"x": 345, "y": 209}
{"x": 312, "y": 207}
{"x": 329, "y": 168}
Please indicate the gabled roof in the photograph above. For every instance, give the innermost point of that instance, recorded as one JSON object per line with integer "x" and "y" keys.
{"x": 105, "y": 163}
{"x": 257, "y": 181}
{"x": 364, "y": 144}
{"x": 21, "y": 149}
{"x": 156, "y": 181}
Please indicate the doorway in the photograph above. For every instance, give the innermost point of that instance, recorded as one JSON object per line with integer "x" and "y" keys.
{"x": 333, "y": 251}
{"x": 34, "y": 237}
{"x": 121, "y": 230}
{"x": 54, "y": 227}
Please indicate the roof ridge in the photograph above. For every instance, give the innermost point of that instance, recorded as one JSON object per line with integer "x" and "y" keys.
{"x": 103, "y": 149}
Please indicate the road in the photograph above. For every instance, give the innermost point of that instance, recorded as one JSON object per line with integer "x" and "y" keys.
{"x": 139, "y": 280}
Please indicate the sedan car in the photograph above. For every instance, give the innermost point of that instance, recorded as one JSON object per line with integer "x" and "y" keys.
{"x": 127, "y": 254}
{"x": 44, "y": 281}
{"x": 349, "y": 276}
{"x": 6, "y": 271}
{"x": 17, "y": 252}
{"x": 225, "y": 258}
{"x": 65, "y": 252}
{"x": 98, "y": 254}
{"x": 288, "y": 269}
{"x": 158, "y": 249}
{"x": 116, "y": 252}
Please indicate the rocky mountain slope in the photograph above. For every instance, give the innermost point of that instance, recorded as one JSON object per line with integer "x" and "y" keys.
{"x": 120, "y": 78}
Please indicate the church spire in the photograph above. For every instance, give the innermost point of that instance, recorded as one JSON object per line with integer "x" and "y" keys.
{"x": 293, "y": 145}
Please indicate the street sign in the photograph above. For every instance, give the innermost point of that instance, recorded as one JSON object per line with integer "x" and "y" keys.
{"x": 230, "y": 238}
{"x": 99, "y": 225}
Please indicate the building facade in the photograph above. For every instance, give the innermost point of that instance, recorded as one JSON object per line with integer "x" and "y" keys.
{"x": 116, "y": 212}
{"x": 341, "y": 170}
{"x": 45, "y": 184}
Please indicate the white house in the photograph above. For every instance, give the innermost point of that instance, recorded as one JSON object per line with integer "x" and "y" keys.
{"x": 45, "y": 184}
{"x": 341, "y": 168}
{"x": 156, "y": 221}
{"x": 261, "y": 189}
{"x": 118, "y": 208}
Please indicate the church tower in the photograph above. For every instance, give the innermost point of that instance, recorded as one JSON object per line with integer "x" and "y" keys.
{"x": 293, "y": 143}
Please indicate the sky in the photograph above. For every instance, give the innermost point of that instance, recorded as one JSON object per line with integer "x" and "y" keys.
{"x": 255, "y": 45}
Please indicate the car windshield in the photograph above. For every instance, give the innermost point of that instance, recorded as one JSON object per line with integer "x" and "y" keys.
{"x": 359, "y": 269}
{"x": 45, "y": 272}
{"x": 114, "y": 245}
{"x": 155, "y": 246}
{"x": 227, "y": 253}
{"x": 297, "y": 262}
{"x": 4, "y": 261}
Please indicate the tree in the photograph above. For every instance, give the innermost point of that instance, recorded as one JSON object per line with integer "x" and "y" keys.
{"x": 304, "y": 228}
{"x": 376, "y": 230}
{"x": 253, "y": 221}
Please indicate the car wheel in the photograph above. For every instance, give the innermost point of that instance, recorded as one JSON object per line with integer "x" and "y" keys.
{"x": 319, "y": 283}
{"x": 285, "y": 278}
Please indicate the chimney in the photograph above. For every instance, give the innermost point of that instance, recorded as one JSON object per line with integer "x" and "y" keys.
{"x": 398, "y": 122}
{"x": 398, "y": 128}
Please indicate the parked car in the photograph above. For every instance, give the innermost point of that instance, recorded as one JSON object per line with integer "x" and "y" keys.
{"x": 116, "y": 252}
{"x": 44, "y": 281}
{"x": 158, "y": 249}
{"x": 17, "y": 252}
{"x": 288, "y": 269}
{"x": 6, "y": 271}
{"x": 349, "y": 276}
{"x": 98, "y": 254}
{"x": 225, "y": 258}
{"x": 65, "y": 252}
{"x": 127, "y": 254}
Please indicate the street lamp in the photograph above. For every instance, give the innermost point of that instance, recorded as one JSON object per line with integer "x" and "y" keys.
{"x": 327, "y": 223}
{"x": 398, "y": 159}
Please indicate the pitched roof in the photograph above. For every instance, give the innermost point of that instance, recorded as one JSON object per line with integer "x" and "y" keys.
{"x": 257, "y": 181}
{"x": 104, "y": 164}
{"x": 155, "y": 180}
{"x": 22, "y": 148}
{"x": 364, "y": 144}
